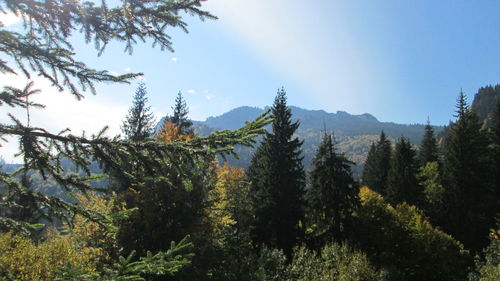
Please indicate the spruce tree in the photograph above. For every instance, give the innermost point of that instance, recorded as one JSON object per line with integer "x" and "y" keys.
{"x": 333, "y": 194}
{"x": 180, "y": 119}
{"x": 377, "y": 165}
{"x": 277, "y": 177}
{"x": 139, "y": 123}
{"x": 467, "y": 198}
{"x": 402, "y": 183}
{"x": 428, "y": 147}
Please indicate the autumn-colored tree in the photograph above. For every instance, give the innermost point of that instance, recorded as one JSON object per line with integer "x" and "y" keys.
{"x": 400, "y": 239}
{"x": 170, "y": 132}
{"x": 230, "y": 212}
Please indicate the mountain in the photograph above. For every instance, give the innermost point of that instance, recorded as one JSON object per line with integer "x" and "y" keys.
{"x": 354, "y": 133}
{"x": 485, "y": 101}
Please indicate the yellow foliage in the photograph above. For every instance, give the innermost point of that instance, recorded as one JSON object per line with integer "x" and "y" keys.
{"x": 169, "y": 132}
{"x": 228, "y": 183}
{"x": 94, "y": 237}
{"x": 28, "y": 261}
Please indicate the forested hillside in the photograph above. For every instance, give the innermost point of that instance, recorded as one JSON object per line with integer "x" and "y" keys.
{"x": 353, "y": 133}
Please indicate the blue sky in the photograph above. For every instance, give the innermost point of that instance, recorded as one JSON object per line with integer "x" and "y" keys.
{"x": 402, "y": 61}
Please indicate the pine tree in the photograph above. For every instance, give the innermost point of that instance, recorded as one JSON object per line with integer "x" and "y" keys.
{"x": 277, "y": 177}
{"x": 377, "y": 165}
{"x": 428, "y": 147}
{"x": 180, "y": 119}
{"x": 333, "y": 194}
{"x": 402, "y": 183}
{"x": 139, "y": 123}
{"x": 467, "y": 198}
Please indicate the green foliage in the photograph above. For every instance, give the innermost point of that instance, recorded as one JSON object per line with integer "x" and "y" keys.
{"x": 433, "y": 191}
{"x": 41, "y": 48}
{"x": 377, "y": 165}
{"x": 161, "y": 263}
{"x": 489, "y": 267}
{"x": 277, "y": 178}
{"x": 139, "y": 122}
{"x": 334, "y": 262}
{"x": 428, "y": 147}
{"x": 271, "y": 265}
{"x": 332, "y": 195}
{"x": 468, "y": 198}
{"x": 180, "y": 119}
{"x": 402, "y": 184}
{"x": 401, "y": 240}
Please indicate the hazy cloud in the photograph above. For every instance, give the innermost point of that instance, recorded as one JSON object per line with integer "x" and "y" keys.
{"x": 9, "y": 19}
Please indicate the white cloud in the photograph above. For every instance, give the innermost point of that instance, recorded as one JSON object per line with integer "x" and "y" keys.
{"x": 174, "y": 59}
{"x": 191, "y": 91}
{"x": 9, "y": 19}
{"x": 210, "y": 97}
{"x": 128, "y": 69}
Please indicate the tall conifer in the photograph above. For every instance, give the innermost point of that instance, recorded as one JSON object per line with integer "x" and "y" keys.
{"x": 467, "y": 198}
{"x": 278, "y": 179}
{"x": 377, "y": 165}
{"x": 333, "y": 194}
{"x": 180, "y": 118}
{"x": 139, "y": 123}
{"x": 428, "y": 147}
{"x": 402, "y": 183}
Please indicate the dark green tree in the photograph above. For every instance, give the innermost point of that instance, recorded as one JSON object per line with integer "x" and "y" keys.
{"x": 428, "y": 147}
{"x": 180, "y": 118}
{"x": 377, "y": 165}
{"x": 139, "y": 122}
{"x": 333, "y": 195}
{"x": 402, "y": 183}
{"x": 277, "y": 178}
{"x": 468, "y": 200}
{"x": 494, "y": 152}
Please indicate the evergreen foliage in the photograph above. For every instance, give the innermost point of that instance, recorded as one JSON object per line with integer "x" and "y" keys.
{"x": 332, "y": 195}
{"x": 402, "y": 183}
{"x": 428, "y": 147}
{"x": 377, "y": 165}
{"x": 139, "y": 123}
{"x": 468, "y": 200}
{"x": 180, "y": 119}
{"x": 278, "y": 179}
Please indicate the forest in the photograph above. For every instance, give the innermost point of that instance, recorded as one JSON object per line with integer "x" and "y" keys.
{"x": 165, "y": 205}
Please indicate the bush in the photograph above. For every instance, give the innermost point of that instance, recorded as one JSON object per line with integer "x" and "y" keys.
{"x": 21, "y": 259}
{"x": 334, "y": 262}
{"x": 400, "y": 237}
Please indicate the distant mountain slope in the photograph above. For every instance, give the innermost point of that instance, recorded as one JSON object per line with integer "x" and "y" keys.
{"x": 485, "y": 101}
{"x": 354, "y": 133}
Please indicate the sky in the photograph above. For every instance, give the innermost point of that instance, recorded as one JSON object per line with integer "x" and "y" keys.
{"x": 401, "y": 61}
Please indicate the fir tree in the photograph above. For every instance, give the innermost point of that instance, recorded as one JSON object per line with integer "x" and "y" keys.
{"x": 377, "y": 165}
{"x": 180, "y": 119}
{"x": 139, "y": 123}
{"x": 467, "y": 198}
{"x": 428, "y": 147}
{"x": 277, "y": 178}
{"x": 402, "y": 183}
{"x": 332, "y": 196}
